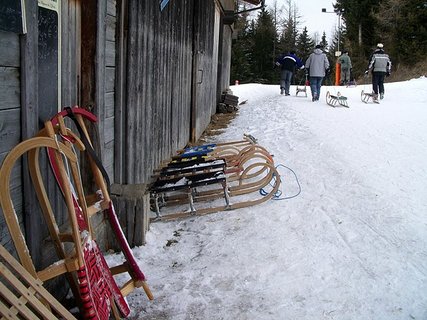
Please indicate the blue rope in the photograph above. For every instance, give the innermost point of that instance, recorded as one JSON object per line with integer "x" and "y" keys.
{"x": 278, "y": 194}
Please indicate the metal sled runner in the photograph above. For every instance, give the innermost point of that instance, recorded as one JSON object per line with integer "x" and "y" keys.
{"x": 194, "y": 181}
{"x": 336, "y": 100}
{"x": 368, "y": 97}
{"x": 302, "y": 89}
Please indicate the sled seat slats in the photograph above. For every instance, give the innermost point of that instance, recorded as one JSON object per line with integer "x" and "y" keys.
{"x": 208, "y": 165}
{"x": 338, "y": 98}
{"x": 188, "y": 182}
{"x": 22, "y": 296}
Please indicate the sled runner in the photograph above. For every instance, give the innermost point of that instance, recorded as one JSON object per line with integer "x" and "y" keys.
{"x": 91, "y": 282}
{"x": 200, "y": 188}
{"x": 369, "y": 97}
{"x": 101, "y": 200}
{"x": 336, "y": 100}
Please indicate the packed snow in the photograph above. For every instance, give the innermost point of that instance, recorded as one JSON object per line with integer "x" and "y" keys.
{"x": 352, "y": 245}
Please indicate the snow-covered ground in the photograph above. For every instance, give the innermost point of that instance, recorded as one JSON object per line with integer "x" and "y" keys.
{"x": 352, "y": 245}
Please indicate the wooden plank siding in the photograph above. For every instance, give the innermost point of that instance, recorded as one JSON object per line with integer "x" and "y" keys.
{"x": 204, "y": 70}
{"x": 152, "y": 77}
{"x": 109, "y": 91}
{"x": 10, "y": 118}
{"x": 159, "y": 64}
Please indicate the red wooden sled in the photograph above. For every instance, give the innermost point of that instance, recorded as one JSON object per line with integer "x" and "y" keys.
{"x": 104, "y": 202}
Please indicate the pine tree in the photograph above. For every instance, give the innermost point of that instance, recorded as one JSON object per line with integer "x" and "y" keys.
{"x": 360, "y": 23}
{"x": 304, "y": 44}
{"x": 324, "y": 42}
{"x": 403, "y": 26}
{"x": 264, "y": 38}
{"x": 241, "y": 51}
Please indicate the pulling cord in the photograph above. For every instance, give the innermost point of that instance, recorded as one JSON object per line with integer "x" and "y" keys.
{"x": 278, "y": 194}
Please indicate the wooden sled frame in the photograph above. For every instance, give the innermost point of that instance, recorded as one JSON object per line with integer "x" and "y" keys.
{"x": 101, "y": 201}
{"x": 236, "y": 159}
{"x": 22, "y": 296}
{"x": 336, "y": 100}
{"x": 72, "y": 262}
{"x": 239, "y": 187}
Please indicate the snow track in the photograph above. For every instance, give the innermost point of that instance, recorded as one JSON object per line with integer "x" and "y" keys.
{"x": 352, "y": 245}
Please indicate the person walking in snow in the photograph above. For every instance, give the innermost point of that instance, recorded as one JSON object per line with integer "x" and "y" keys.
{"x": 345, "y": 63}
{"x": 380, "y": 64}
{"x": 288, "y": 64}
{"x": 317, "y": 66}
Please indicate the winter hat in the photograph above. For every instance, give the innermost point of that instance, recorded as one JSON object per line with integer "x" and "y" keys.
{"x": 380, "y": 46}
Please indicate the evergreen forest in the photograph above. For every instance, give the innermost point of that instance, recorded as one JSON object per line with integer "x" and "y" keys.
{"x": 401, "y": 25}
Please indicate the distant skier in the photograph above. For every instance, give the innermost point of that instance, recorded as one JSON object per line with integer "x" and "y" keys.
{"x": 345, "y": 62}
{"x": 288, "y": 63}
{"x": 317, "y": 66}
{"x": 380, "y": 64}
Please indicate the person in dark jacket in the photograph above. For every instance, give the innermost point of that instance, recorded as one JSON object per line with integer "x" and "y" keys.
{"x": 317, "y": 66}
{"x": 345, "y": 63}
{"x": 380, "y": 64}
{"x": 288, "y": 64}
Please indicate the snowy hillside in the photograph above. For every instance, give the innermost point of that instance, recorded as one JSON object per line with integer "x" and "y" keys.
{"x": 352, "y": 245}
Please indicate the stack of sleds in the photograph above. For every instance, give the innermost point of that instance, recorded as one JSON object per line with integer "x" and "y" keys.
{"x": 79, "y": 258}
{"x": 213, "y": 177}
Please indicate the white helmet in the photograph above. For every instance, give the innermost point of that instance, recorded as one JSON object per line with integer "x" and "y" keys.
{"x": 380, "y": 45}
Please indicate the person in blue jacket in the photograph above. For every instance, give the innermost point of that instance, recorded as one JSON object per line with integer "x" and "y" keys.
{"x": 288, "y": 63}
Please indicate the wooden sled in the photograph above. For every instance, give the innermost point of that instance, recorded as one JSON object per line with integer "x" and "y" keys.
{"x": 235, "y": 157}
{"x": 368, "y": 97}
{"x": 92, "y": 204}
{"x": 336, "y": 100}
{"x": 247, "y": 139}
{"x": 79, "y": 257}
{"x": 189, "y": 193}
{"x": 22, "y": 296}
{"x": 232, "y": 152}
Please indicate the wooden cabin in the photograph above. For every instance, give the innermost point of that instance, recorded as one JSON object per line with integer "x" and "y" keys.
{"x": 152, "y": 71}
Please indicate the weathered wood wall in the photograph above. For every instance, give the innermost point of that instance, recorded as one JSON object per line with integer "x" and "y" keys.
{"x": 204, "y": 72}
{"x": 152, "y": 77}
{"x": 159, "y": 76}
{"x": 10, "y": 116}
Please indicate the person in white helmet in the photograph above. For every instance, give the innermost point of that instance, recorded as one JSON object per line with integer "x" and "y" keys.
{"x": 380, "y": 64}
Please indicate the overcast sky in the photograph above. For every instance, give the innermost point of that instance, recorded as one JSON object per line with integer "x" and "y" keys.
{"x": 312, "y": 16}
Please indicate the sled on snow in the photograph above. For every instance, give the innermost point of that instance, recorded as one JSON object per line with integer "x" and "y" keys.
{"x": 302, "y": 89}
{"x": 195, "y": 194}
{"x": 337, "y": 100}
{"x": 369, "y": 97}
{"x": 194, "y": 179}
